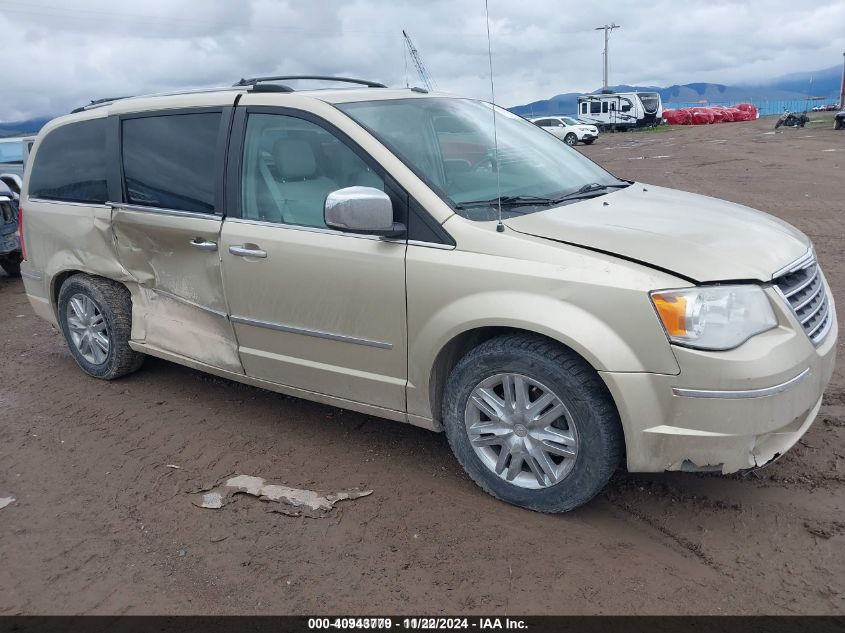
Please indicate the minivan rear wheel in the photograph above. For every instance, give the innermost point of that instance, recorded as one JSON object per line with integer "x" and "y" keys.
{"x": 532, "y": 423}
{"x": 95, "y": 315}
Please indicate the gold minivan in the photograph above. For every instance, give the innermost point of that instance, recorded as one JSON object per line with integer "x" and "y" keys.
{"x": 432, "y": 260}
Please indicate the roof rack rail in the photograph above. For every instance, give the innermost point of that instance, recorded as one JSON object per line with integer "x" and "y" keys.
{"x": 254, "y": 81}
{"x": 98, "y": 102}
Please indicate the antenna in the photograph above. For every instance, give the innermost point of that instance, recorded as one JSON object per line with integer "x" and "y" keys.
{"x": 500, "y": 227}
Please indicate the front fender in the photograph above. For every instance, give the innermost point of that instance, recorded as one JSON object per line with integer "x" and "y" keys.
{"x": 635, "y": 343}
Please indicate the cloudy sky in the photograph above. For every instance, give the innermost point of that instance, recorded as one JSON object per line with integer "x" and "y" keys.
{"x": 60, "y": 53}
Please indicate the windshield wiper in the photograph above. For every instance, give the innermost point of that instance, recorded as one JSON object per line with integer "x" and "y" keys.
{"x": 508, "y": 201}
{"x": 592, "y": 190}
{"x": 587, "y": 191}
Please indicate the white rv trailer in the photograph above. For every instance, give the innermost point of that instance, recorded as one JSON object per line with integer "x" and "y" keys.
{"x": 615, "y": 110}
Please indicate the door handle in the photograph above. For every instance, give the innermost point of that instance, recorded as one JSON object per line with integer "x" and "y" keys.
{"x": 243, "y": 251}
{"x": 203, "y": 245}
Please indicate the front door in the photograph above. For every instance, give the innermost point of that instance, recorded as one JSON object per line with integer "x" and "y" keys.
{"x": 166, "y": 231}
{"x": 313, "y": 308}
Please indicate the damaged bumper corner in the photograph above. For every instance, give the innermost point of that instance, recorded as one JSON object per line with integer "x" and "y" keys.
{"x": 764, "y": 397}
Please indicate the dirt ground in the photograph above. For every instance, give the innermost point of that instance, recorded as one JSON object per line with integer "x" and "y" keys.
{"x": 101, "y": 524}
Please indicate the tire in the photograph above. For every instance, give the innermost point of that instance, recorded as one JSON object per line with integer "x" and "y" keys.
{"x": 570, "y": 139}
{"x": 111, "y": 315}
{"x": 589, "y": 141}
{"x": 837, "y": 123}
{"x": 597, "y": 433}
{"x": 11, "y": 264}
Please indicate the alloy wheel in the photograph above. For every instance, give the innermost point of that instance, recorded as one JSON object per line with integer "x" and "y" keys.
{"x": 521, "y": 430}
{"x": 88, "y": 329}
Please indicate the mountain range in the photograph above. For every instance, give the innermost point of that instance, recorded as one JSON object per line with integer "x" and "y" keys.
{"x": 794, "y": 87}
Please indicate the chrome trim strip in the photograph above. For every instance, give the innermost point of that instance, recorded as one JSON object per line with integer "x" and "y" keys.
{"x": 816, "y": 310}
{"x": 747, "y": 393}
{"x": 170, "y": 295}
{"x": 821, "y": 335}
{"x": 29, "y": 275}
{"x": 791, "y": 292}
{"x": 161, "y": 211}
{"x": 804, "y": 261}
{"x": 307, "y": 229}
{"x": 101, "y": 205}
{"x": 821, "y": 322}
{"x": 445, "y": 247}
{"x": 815, "y": 290}
{"x": 281, "y": 327}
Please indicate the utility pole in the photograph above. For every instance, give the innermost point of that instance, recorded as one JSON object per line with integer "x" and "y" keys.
{"x": 842, "y": 89}
{"x": 607, "y": 28}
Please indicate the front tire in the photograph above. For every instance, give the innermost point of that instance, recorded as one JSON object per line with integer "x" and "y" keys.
{"x": 532, "y": 423}
{"x": 570, "y": 139}
{"x": 837, "y": 123}
{"x": 95, "y": 315}
{"x": 589, "y": 141}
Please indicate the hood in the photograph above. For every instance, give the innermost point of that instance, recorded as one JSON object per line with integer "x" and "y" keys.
{"x": 697, "y": 237}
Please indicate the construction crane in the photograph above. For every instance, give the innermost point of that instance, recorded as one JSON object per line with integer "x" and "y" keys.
{"x": 422, "y": 71}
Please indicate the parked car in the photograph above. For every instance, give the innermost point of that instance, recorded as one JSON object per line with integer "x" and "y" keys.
{"x": 381, "y": 250}
{"x": 11, "y": 155}
{"x": 569, "y": 130}
{"x": 10, "y": 249}
{"x": 839, "y": 120}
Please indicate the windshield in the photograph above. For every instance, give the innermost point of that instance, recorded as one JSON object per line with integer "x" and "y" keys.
{"x": 11, "y": 152}
{"x": 650, "y": 101}
{"x": 570, "y": 121}
{"x": 449, "y": 143}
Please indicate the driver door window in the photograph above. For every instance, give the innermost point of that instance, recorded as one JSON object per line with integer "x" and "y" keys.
{"x": 290, "y": 165}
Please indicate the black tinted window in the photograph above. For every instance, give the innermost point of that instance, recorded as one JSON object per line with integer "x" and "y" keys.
{"x": 595, "y": 107}
{"x": 169, "y": 161}
{"x": 71, "y": 164}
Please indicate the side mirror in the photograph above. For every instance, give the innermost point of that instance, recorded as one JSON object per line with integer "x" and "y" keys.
{"x": 362, "y": 210}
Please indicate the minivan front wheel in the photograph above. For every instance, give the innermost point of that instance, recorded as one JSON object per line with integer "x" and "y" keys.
{"x": 532, "y": 423}
{"x": 95, "y": 315}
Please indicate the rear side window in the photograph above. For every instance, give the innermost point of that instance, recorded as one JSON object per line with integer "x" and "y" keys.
{"x": 71, "y": 164}
{"x": 169, "y": 161}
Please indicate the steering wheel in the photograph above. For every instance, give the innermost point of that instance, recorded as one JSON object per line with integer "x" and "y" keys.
{"x": 486, "y": 163}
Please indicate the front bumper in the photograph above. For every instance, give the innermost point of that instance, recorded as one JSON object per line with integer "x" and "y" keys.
{"x": 725, "y": 411}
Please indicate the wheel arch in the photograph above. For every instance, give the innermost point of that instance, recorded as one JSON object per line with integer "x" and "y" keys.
{"x": 462, "y": 343}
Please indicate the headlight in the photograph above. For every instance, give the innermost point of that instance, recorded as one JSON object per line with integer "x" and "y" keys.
{"x": 714, "y": 317}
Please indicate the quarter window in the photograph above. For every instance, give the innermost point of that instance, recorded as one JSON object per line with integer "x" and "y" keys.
{"x": 71, "y": 164}
{"x": 290, "y": 165}
{"x": 169, "y": 161}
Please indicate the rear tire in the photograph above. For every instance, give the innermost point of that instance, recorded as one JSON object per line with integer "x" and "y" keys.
{"x": 570, "y": 139}
{"x": 95, "y": 315}
{"x": 580, "y": 424}
{"x": 11, "y": 264}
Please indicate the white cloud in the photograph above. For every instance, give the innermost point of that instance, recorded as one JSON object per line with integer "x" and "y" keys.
{"x": 60, "y": 55}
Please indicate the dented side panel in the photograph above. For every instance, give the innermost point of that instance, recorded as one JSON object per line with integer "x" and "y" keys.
{"x": 66, "y": 237}
{"x": 177, "y": 294}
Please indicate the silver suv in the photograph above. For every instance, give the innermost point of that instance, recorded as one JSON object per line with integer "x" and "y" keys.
{"x": 346, "y": 246}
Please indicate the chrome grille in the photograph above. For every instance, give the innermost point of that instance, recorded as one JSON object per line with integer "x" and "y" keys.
{"x": 804, "y": 289}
